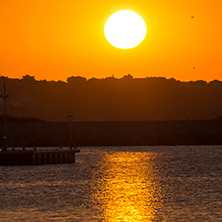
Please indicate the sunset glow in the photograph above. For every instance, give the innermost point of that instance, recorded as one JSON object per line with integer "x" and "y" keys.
{"x": 54, "y": 40}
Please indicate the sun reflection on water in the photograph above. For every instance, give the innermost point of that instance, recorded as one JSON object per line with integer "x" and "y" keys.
{"x": 128, "y": 189}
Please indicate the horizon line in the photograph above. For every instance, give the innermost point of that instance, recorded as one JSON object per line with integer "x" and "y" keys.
{"x": 129, "y": 76}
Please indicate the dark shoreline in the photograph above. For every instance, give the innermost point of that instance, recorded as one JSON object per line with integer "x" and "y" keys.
{"x": 115, "y": 133}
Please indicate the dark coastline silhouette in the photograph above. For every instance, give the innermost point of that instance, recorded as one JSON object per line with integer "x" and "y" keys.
{"x": 110, "y": 111}
{"x": 124, "y": 99}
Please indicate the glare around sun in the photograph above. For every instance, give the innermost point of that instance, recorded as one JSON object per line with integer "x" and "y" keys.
{"x": 125, "y": 29}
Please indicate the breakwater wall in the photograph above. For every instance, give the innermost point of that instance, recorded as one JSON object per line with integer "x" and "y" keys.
{"x": 115, "y": 133}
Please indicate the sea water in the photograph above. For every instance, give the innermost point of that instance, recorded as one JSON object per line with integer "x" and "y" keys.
{"x": 162, "y": 183}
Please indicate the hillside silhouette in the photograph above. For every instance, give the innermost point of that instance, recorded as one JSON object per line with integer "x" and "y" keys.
{"x": 112, "y": 99}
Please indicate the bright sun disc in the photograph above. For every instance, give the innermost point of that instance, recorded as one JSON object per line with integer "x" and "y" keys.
{"x": 125, "y": 29}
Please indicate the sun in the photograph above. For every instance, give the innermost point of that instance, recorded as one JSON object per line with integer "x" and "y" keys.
{"x": 125, "y": 29}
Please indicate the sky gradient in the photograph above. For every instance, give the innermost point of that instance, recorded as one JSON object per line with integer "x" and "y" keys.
{"x": 57, "y": 39}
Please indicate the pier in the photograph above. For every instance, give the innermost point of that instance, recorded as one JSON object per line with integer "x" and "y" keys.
{"x": 14, "y": 157}
{"x": 37, "y": 157}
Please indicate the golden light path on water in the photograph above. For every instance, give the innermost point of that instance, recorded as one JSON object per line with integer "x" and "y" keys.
{"x": 128, "y": 190}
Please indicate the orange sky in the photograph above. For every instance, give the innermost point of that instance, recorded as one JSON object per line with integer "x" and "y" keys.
{"x": 56, "y": 39}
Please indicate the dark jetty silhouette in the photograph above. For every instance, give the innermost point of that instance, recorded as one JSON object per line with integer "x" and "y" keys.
{"x": 37, "y": 157}
{"x": 34, "y": 157}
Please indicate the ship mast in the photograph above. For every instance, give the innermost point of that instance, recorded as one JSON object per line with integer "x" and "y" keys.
{"x": 4, "y": 138}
